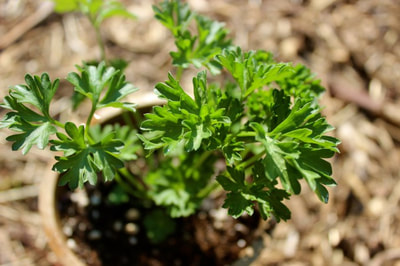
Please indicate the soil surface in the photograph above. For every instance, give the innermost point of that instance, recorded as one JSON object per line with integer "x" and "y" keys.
{"x": 353, "y": 47}
{"x": 103, "y": 233}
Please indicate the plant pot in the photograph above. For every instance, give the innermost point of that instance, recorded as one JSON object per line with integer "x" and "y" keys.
{"x": 51, "y": 221}
{"x": 49, "y": 210}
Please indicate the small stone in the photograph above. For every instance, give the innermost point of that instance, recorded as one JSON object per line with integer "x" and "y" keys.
{"x": 68, "y": 231}
{"x": 241, "y": 243}
{"x": 361, "y": 253}
{"x": 218, "y": 224}
{"x": 132, "y": 214}
{"x": 376, "y": 206}
{"x": 131, "y": 228}
{"x": 334, "y": 237}
{"x": 80, "y": 197}
{"x": 239, "y": 227}
{"x": 219, "y": 214}
{"x": 94, "y": 235}
{"x": 82, "y": 227}
{"x": 292, "y": 243}
{"x": 249, "y": 251}
{"x": 72, "y": 244}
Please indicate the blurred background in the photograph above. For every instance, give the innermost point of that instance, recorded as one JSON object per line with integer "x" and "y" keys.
{"x": 352, "y": 46}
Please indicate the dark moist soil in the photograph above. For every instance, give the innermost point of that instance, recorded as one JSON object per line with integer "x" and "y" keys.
{"x": 102, "y": 233}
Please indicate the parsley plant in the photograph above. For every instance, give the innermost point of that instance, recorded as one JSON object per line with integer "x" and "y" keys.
{"x": 264, "y": 123}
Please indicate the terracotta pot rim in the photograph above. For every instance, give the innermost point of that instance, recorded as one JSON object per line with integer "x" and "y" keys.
{"x": 51, "y": 221}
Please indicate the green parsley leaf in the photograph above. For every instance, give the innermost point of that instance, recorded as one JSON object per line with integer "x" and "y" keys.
{"x": 112, "y": 9}
{"x": 243, "y": 194}
{"x": 36, "y": 125}
{"x": 125, "y": 134}
{"x": 237, "y": 204}
{"x": 96, "y": 10}
{"x": 301, "y": 83}
{"x": 32, "y": 134}
{"x": 181, "y": 187}
{"x": 192, "y": 121}
{"x": 82, "y": 161}
{"x": 174, "y": 15}
{"x": 200, "y": 48}
{"x": 39, "y": 92}
{"x": 94, "y": 79}
{"x": 291, "y": 144}
{"x": 252, "y": 70}
{"x": 63, "y": 6}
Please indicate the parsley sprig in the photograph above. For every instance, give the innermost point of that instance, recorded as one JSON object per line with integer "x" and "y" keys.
{"x": 96, "y": 11}
{"x": 85, "y": 155}
{"x": 254, "y": 134}
{"x": 35, "y": 126}
{"x": 272, "y": 134}
{"x": 195, "y": 47}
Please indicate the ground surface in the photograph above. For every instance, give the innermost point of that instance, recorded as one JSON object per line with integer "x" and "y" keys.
{"x": 353, "y": 46}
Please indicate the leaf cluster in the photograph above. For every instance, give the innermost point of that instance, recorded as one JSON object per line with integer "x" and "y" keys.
{"x": 181, "y": 186}
{"x": 87, "y": 151}
{"x": 269, "y": 134}
{"x": 96, "y": 10}
{"x": 34, "y": 126}
{"x": 195, "y": 47}
{"x": 103, "y": 86}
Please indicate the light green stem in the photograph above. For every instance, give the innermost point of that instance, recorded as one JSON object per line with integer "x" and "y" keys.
{"x": 136, "y": 182}
{"x": 127, "y": 119}
{"x": 202, "y": 158}
{"x": 100, "y": 41}
{"x": 127, "y": 187}
{"x": 179, "y": 72}
{"x": 57, "y": 123}
{"x": 251, "y": 161}
{"x": 88, "y": 121}
{"x": 213, "y": 186}
{"x": 99, "y": 38}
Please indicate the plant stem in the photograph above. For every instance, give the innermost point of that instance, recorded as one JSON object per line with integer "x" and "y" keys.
{"x": 246, "y": 134}
{"x": 202, "y": 158}
{"x": 127, "y": 119}
{"x": 179, "y": 72}
{"x": 88, "y": 121}
{"x": 57, "y": 123}
{"x": 136, "y": 182}
{"x": 101, "y": 44}
{"x": 199, "y": 162}
{"x": 127, "y": 188}
{"x": 252, "y": 160}
{"x": 138, "y": 119}
{"x": 208, "y": 189}
{"x": 99, "y": 39}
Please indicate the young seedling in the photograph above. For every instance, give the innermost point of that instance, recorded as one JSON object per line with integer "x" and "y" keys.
{"x": 96, "y": 11}
{"x": 264, "y": 123}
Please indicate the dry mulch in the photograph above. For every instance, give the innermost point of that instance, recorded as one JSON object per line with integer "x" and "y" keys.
{"x": 353, "y": 46}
